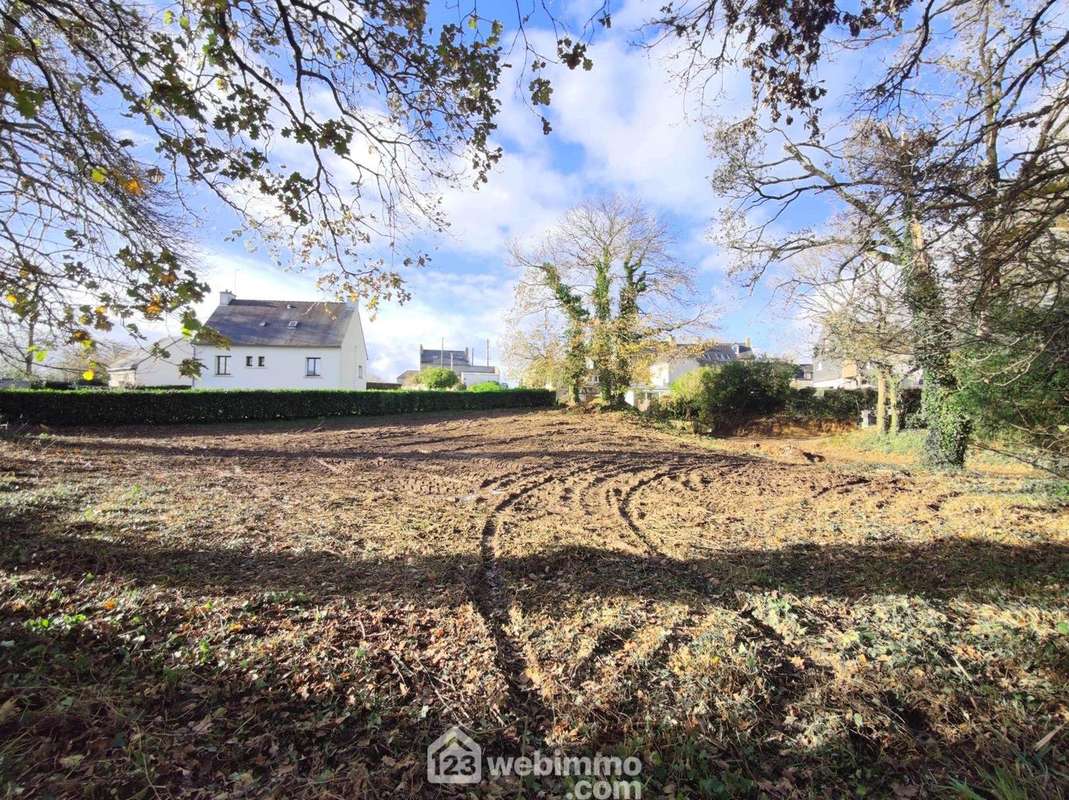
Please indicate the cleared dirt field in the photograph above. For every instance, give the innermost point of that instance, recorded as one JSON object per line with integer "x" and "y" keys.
{"x": 298, "y": 610}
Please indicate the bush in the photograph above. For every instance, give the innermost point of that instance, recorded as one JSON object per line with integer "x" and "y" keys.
{"x": 685, "y": 398}
{"x": 741, "y": 390}
{"x": 93, "y": 407}
{"x": 487, "y": 386}
{"x": 438, "y": 378}
{"x": 732, "y": 392}
{"x": 842, "y": 405}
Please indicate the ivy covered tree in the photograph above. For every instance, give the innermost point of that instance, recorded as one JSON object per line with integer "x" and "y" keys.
{"x": 608, "y": 270}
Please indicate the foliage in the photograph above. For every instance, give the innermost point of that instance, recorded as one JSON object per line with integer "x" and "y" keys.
{"x": 685, "y": 392}
{"x": 87, "y": 407}
{"x": 487, "y": 386}
{"x": 752, "y": 389}
{"x": 1023, "y": 402}
{"x": 733, "y": 391}
{"x": 325, "y": 129}
{"x": 438, "y": 378}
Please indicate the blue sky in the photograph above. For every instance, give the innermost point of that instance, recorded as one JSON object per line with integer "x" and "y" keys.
{"x": 623, "y": 127}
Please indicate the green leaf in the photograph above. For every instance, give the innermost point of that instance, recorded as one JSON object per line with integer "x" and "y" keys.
{"x": 168, "y": 17}
{"x": 183, "y": 21}
{"x": 98, "y": 175}
{"x": 1063, "y": 628}
{"x": 27, "y": 101}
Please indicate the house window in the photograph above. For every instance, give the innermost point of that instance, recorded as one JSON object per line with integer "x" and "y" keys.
{"x": 261, "y": 361}
{"x": 311, "y": 367}
{"x": 248, "y": 361}
{"x": 360, "y": 370}
{"x": 222, "y": 365}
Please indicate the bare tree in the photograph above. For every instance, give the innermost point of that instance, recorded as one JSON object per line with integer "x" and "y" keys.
{"x": 863, "y": 318}
{"x": 608, "y": 270}
{"x": 535, "y": 349}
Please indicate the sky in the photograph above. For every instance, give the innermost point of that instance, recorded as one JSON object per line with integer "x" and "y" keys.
{"x": 622, "y": 128}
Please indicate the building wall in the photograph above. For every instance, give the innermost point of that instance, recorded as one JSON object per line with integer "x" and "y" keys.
{"x": 662, "y": 373}
{"x": 472, "y": 378}
{"x": 154, "y": 371}
{"x": 354, "y": 355}
{"x": 284, "y": 368}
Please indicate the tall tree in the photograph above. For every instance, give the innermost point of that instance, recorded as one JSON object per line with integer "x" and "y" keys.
{"x": 864, "y": 319}
{"x": 607, "y": 268}
{"x": 951, "y": 172}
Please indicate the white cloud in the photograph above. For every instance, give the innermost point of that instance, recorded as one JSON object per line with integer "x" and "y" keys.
{"x": 464, "y": 310}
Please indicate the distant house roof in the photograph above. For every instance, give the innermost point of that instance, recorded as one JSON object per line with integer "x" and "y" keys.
{"x": 443, "y": 358}
{"x": 137, "y": 357}
{"x": 722, "y": 352}
{"x": 717, "y": 353}
{"x": 282, "y": 323}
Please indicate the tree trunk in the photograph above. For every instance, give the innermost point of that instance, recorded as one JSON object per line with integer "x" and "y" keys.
{"x": 892, "y": 402}
{"x": 948, "y": 425}
{"x": 881, "y": 402}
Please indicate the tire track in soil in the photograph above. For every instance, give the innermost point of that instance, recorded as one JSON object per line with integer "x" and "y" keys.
{"x": 525, "y": 701}
{"x": 788, "y": 678}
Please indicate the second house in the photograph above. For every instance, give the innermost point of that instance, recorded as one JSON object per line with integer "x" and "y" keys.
{"x": 284, "y": 344}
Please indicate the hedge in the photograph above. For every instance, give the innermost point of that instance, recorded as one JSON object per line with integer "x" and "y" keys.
{"x": 82, "y": 407}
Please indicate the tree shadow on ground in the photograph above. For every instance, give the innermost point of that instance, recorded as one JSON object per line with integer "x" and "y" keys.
{"x": 943, "y": 568}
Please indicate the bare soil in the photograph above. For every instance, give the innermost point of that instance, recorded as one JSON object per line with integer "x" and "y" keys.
{"x": 297, "y": 610}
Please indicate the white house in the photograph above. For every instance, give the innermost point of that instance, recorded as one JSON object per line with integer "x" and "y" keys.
{"x": 144, "y": 368}
{"x": 284, "y": 344}
{"x": 678, "y": 362}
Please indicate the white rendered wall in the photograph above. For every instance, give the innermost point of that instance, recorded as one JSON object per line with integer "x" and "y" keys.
{"x": 284, "y": 368}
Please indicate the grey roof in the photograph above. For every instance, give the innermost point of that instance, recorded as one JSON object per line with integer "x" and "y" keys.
{"x": 136, "y": 357}
{"x": 723, "y": 352}
{"x": 443, "y": 358}
{"x": 267, "y": 322}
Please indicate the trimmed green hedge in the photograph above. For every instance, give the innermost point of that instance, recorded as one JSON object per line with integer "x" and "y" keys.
{"x": 78, "y": 407}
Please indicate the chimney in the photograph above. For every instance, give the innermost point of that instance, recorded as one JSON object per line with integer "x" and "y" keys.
{"x": 226, "y": 298}
{"x": 748, "y": 345}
